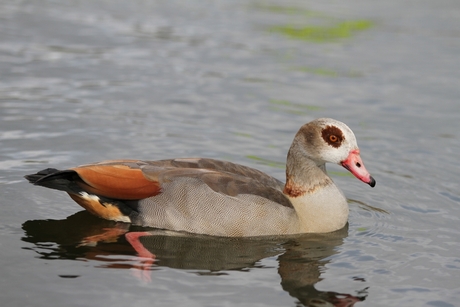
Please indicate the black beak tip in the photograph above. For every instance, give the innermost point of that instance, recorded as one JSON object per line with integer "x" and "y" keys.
{"x": 372, "y": 182}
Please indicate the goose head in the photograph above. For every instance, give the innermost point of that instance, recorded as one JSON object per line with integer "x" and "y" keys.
{"x": 328, "y": 140}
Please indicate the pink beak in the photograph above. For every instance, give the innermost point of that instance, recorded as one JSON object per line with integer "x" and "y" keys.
{"x": 355, "y": 165}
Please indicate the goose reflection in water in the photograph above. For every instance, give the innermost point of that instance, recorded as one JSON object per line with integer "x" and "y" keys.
{"x": 301, "y": 258}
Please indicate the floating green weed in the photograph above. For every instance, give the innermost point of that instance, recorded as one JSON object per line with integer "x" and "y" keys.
{"x": 326, "y": 33}
{"x": 255, "y": 80}
{"x": 328, "y": 72}
{"x": 267, "y": 162}
{"x": 246, "y": 135}
{"x": 291, "y": 107}
{"x": 341, "y": 174}
{"x": 319, "y": 71}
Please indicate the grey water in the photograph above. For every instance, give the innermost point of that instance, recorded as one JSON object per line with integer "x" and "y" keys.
{"x": 84, "y": 81}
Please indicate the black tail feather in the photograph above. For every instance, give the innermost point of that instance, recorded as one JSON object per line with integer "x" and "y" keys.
{"x": 68, "y": 181}
{"x": 55, "y": 179}
{"x": 33, "y": 178}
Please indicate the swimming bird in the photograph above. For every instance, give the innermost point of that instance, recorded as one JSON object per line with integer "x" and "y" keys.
{"x": 221, "y": 198}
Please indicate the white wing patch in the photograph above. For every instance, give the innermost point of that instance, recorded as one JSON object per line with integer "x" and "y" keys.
{"x": 89, "y": 196}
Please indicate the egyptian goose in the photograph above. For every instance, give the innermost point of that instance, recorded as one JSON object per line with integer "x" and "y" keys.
{"x": 221, "y": 198}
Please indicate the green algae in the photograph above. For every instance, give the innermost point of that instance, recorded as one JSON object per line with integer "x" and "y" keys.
{"x": 326, "y": 33}
{"x": 291, "y": 107}
{"x": 271, "y": 163}
{"x": 325, "y": 72}
{"x": 318, "y": 71}
{"x": 340, "y": 173}
{"x": 243, "y": 134}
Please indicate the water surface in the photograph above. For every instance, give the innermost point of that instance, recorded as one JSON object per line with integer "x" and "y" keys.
{"x": 84, "y": 81}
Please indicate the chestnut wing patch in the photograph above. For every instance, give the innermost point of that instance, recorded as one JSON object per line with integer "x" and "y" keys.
{"x": 116, "y": 180}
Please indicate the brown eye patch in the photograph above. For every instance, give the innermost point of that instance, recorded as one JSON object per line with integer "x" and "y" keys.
{"x": 332, "y": 136}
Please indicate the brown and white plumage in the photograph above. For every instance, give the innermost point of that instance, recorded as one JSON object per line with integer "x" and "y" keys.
{"x": 222, "y": 198}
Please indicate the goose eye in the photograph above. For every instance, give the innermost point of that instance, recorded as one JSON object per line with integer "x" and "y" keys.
{"x": 333, "y": 136}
